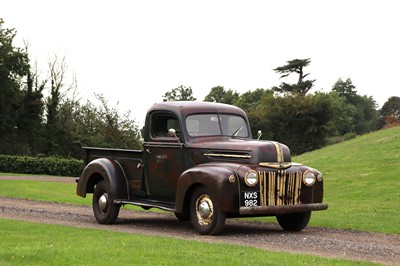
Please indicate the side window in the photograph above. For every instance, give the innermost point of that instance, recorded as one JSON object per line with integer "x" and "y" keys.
{"x": 161, "y": 123}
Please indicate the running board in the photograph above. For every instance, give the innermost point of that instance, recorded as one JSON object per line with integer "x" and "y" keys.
{"x": 151, "y": 204}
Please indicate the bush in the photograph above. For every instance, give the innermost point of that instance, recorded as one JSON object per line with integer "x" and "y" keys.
{"x": 338, "y": 139}
{"x": 40, "y": 165}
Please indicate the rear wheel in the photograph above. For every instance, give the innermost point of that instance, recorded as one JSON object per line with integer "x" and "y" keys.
{"x": 294, "y": 221}
{"x": 206, "y": 216}
{"x": 104, "y": 209}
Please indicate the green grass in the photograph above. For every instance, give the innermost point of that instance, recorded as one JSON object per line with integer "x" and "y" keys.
{"x": 361, "y": 182}
{"x": 45, "y": 191}
{"x": 24, "y": 243}
{"x": 48, "y": 191}
{"x": 11, "y": 174}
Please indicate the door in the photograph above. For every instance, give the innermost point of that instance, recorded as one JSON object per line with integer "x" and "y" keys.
{"x": 165, "y": 156}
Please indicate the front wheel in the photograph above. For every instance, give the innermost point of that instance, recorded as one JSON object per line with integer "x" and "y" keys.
{"x": 294, "y": 221}
{"x": 205, "y": 214}
{"x": 104, "y": 209}
{"x": 183, "y": 216}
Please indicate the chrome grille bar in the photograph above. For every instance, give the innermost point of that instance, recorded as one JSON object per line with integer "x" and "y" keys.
{"x": 279, "y": 188}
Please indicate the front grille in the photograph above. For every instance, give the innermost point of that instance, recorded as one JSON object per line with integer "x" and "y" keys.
{"x": 280, "y": 188}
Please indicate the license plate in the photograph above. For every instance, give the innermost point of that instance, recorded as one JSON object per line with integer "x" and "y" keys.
{"x": 250, "y": 198}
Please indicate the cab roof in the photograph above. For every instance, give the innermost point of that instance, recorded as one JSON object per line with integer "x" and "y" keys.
{"x": 184, "y": 108}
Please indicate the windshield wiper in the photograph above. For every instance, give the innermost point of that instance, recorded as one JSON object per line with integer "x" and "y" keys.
{"x": 237, "y": 131}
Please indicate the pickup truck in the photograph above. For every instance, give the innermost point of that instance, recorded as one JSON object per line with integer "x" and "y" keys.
{"x": 199, "y": 160}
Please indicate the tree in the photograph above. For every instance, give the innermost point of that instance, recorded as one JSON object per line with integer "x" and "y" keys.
{"x": 249, "y": 100}
{"x": 220, "y": 95}
{"x": 54, "y": 124}
{"x": 95, "y": 125}
{"x": 390, "y": 113}
{"x": 180, "y": 93}
{"x": 13, "y": 67}
{"x": 31, "y": 124}
{"x": 295, "y": 66}
{"x": 365, "y": 115}
{"x": 345, "y": 89}
{"x": 100, "y": 125}
{"x": 30, "y": 118}
{"x": 391, "y": 107}
{"x": 342, "y": 114}
{"x": 302, "y": 123}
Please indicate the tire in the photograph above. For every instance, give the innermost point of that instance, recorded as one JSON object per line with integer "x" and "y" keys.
{"x": 294, "y": 221}
{"x": 104, "y": 209}
{"x": 206, "y": 216}
{"x": 183, "y": 216}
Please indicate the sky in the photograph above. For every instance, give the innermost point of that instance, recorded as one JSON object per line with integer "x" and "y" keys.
{"x": 133, "y": 52}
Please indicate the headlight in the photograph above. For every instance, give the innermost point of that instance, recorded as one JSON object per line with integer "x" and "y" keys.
{"x": 308, "y": 178}
{"x": 251, "y": 178}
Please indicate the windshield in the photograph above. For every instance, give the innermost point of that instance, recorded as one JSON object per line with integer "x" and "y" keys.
{"x": 216, "y": 125}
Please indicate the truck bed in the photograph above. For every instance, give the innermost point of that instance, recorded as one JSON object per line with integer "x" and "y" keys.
{"x": 92, "y": 153}
{"x": 131, "y": 162}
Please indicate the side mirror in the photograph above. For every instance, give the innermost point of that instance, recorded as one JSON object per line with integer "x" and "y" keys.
{"x": 259, "y": 134}
{"x": 172, "y": 133}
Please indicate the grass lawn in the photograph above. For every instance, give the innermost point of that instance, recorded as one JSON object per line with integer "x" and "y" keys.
{"x": 361, "y": 182}
{"x": 40, "y": 190}
{"x": 24, "y": 243}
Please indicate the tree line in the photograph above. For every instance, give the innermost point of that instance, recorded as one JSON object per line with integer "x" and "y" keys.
{"x": 304, "y": 121}
{"x": 42, "y": 116}
{"x": 39, "y": 117}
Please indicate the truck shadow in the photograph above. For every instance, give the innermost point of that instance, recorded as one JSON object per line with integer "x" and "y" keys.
{"x": 169, "y": 225}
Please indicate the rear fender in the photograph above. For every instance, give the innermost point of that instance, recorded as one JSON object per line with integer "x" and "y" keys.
{"x": 108, "y": 170}
{"x": 216, "y": 179}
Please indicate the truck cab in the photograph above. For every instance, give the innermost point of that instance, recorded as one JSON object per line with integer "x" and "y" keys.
{"x": 200, "y": 161}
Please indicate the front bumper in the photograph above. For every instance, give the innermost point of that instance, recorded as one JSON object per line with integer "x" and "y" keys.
{"x": 279, "y": 210}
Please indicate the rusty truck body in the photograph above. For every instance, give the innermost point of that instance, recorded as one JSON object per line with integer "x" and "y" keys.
{"x": 199, "y": 160}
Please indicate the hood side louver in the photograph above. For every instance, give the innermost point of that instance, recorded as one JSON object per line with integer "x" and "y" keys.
{"x": 240, "y": 156}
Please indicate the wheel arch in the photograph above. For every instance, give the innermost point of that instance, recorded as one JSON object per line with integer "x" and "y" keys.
{"x": 184, "y": 207}
{"x": 216, "y": 179}
{"x": 107, "y": 169}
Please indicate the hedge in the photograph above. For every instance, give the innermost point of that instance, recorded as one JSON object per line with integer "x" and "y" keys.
{"x": 40, "y": 165}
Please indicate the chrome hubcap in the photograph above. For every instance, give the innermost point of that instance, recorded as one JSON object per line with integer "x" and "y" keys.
{"x": 103, "y": 202}
{"x": 204, "y": 209}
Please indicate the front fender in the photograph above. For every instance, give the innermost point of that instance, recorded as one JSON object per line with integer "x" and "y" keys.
{"x": 106, "y": 169}
{"x": 216, "y": 178}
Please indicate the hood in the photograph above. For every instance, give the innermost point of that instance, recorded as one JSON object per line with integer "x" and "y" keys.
{"x": 266, "y": 153}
